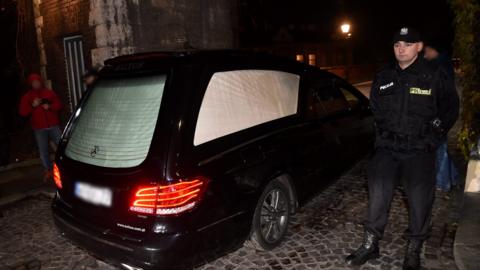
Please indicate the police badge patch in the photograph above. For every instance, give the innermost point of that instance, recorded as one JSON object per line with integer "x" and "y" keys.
{"x": 385, "y": 86}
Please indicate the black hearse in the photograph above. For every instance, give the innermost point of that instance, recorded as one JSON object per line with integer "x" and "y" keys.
{"x": 172, "y": 159}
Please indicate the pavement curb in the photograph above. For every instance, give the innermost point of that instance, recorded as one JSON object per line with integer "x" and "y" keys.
{"x": 26, "y": 163}
{"x": 466, "y": 247}
{"x": 8, "y": 200}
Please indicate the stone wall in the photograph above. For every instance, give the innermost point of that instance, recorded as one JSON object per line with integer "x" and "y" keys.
{"x": 113, "y": 33}
{"x": 116, "y": 27}
{"x": 182, "y": 24}
{"x": 129, "y": 26}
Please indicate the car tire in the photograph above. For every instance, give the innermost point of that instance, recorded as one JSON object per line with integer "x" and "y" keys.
{"x": 271, "y": 217}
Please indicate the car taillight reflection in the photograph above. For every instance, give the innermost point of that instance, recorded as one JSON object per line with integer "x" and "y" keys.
{"x": 56, "y": 176}
{"x": 168, "y": 199}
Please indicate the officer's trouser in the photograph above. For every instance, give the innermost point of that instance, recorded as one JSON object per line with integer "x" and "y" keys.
{"x": 418, "y": 173}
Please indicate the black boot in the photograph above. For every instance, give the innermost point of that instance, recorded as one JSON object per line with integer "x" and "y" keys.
{"x": 368, "y": 250}
{"x": 412, "y": 255}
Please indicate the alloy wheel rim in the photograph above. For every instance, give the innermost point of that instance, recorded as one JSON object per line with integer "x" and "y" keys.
{"x": 273, "y": 216}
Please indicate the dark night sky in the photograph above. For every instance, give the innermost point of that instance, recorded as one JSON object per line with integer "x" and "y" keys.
{"x": 373, "y": 22}
{"x": 377, "y": 20}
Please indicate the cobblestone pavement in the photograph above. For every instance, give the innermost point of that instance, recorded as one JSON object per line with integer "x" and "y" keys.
{"x": 321, "y": 234}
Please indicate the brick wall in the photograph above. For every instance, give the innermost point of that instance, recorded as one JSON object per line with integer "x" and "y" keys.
{"x": 182, "y": 24}
{"x": 60, "y": 19}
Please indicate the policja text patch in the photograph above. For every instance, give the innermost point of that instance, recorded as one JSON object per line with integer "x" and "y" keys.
{"x": 418, "y": 91}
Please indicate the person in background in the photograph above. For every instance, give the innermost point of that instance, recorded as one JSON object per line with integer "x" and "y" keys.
{"x": 90, "y": 77}
{"x": 447, "y": 174}
{"x": 437, "y": 55}
{"x": 42, "y": 106}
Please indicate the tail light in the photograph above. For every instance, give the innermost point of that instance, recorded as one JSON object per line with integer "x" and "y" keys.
{"x": 56, "y": 176}
{"x": 168, "y": 199}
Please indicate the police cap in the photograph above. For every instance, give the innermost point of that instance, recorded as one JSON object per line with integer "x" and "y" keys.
{"x": 407, "y": 34}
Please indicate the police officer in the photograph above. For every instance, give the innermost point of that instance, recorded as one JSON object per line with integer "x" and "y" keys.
{"x": 414, "y": 106}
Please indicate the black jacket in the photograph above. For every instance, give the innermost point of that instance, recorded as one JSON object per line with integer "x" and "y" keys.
{"x": 413, "y": 108}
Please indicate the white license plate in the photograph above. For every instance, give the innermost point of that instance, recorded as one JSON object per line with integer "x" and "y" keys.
{"x": 93, "y": 194}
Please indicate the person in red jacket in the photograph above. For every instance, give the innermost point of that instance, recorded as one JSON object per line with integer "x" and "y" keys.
{"x": 42, "y": 106}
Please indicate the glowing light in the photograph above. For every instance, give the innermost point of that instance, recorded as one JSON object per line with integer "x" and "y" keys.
{"x": 56, "y": 176}
{"x": 345, "y": 28}
{"x": 168, "y": 199}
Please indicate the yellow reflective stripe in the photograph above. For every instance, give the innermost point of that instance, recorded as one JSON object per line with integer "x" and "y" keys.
{"x": 418, "y": 91}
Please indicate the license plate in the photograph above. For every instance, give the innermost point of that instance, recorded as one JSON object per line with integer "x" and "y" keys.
{"x": 93, "y": 194}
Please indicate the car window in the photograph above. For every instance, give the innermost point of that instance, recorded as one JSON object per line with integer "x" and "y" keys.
{"x": 115, "y": 126}
{"x": 240, "y": 99}
{"x": 324, "y": 98}
{"x": 352, "y": 100}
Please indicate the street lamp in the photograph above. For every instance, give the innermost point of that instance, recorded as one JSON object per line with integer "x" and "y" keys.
{"x": 346, "y": 31}
{"x": 345, "y": 28}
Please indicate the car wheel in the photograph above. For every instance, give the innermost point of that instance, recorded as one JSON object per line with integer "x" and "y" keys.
{"x": 271, "y": 218}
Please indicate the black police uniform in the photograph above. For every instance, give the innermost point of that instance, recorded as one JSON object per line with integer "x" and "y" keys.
{"x": 413, "y": 110}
